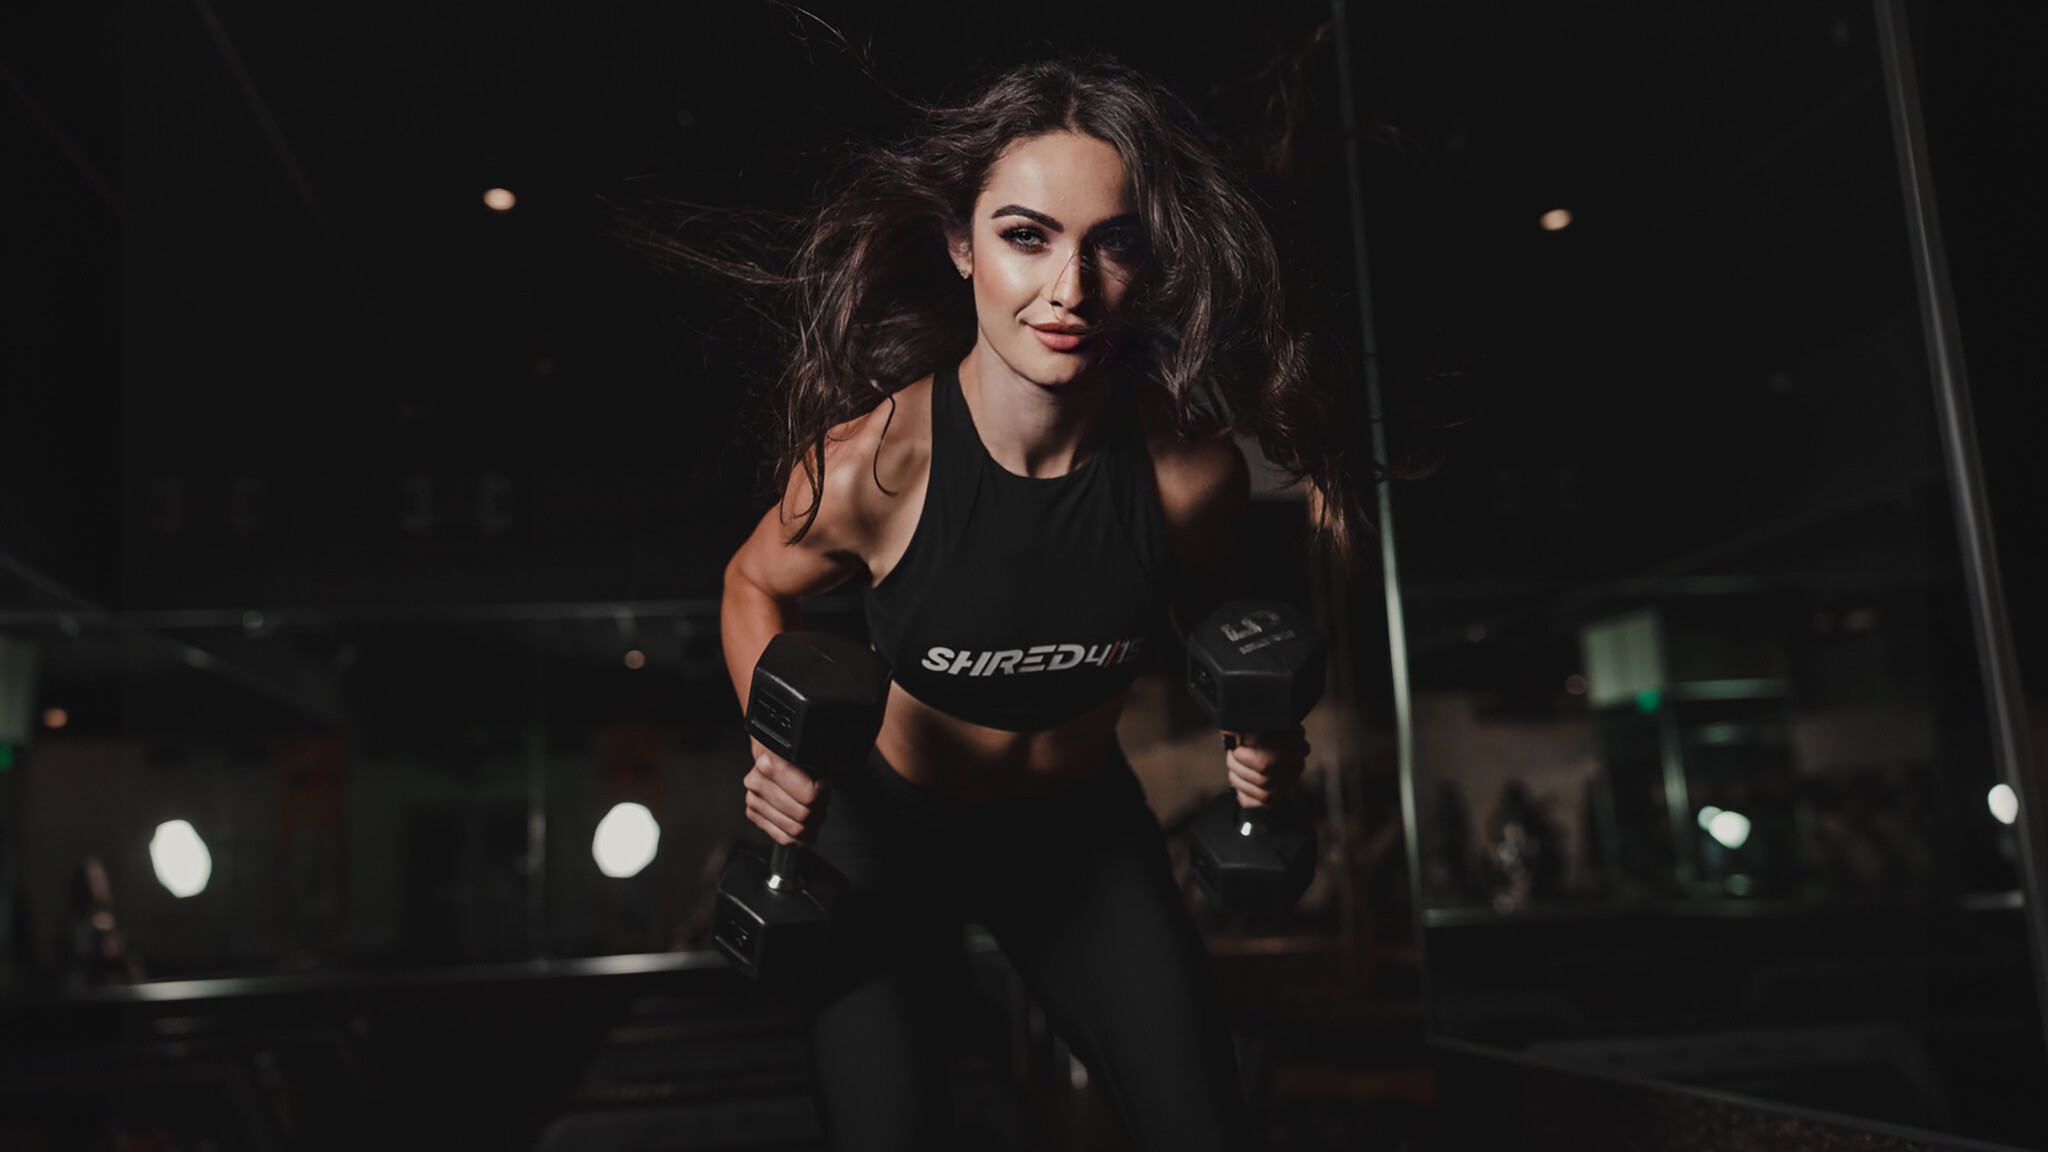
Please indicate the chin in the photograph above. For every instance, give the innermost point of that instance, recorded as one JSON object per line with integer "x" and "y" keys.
{"x": 1057, "y": 377}
{"x": 1052, "y": 369}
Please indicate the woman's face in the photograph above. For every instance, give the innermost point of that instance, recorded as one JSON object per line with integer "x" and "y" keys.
{"x": 1052, "y": 249}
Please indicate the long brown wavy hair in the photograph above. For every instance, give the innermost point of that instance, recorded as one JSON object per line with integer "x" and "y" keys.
{"x": 870, "y": 301}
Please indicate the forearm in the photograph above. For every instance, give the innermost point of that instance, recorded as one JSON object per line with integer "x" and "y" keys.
{"x": 748, "y": 617}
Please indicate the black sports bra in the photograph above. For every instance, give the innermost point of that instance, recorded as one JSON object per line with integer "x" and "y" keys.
{"x": 1021, "y": 603}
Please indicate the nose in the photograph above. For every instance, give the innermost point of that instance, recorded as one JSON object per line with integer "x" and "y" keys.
{"x": 1070, "y": 287}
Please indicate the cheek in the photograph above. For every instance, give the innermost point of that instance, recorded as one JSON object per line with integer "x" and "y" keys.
{"x": 1116, "y": 288}
{"x": 1002, "y": 285}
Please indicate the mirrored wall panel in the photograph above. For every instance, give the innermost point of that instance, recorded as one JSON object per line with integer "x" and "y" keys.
{"x": 1703, "y": 783}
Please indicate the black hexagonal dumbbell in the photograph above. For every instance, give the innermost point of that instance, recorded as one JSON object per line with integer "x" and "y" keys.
{"x": 816, "y": 701}
{"x": 1254, "y": 667}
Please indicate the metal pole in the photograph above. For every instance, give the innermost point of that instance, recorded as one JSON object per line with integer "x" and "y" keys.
{"x": 1397, "y": 636}
{"x": 1996, "y": 661}
{"x": 537, "y": 811}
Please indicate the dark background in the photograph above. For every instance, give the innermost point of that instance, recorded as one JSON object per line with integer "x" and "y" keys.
{"x": 331, "y": 499}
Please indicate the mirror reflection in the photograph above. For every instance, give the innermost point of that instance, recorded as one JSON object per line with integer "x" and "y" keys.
{"x": 1702, "y": 781}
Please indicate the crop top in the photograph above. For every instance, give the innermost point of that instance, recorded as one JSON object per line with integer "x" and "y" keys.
{"x": 1021, "y": 603}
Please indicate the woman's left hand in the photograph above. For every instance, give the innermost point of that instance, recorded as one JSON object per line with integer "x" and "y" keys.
{"x": 1264, "y": 765}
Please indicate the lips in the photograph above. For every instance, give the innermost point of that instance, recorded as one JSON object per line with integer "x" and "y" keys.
{"x": 1061, "y": 337}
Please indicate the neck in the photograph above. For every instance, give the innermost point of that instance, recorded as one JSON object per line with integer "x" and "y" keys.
{"x": 1032, "y": 429}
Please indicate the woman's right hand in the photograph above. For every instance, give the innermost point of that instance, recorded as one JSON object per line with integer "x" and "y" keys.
{"x": 783, "y": 800}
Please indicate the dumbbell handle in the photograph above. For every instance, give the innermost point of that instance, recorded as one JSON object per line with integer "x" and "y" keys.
{"x": 1250, "y": 821}
{"x": 786, "y": 869}
{"x": 794, "y": 664}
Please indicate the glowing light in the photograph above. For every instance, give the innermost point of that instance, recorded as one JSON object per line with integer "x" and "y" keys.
{"x": 2005, "y": 804}
{"x": 1729, "y": 829}
{"x": 1707, "y": 815}
{"x": 1575, "y": 684}
{"x": 625, "y": 841}
{"x": 636, "y": 658}
{"x": 1648, "y": 701}
{"x": 57, "y": 718}
{"x": 1556, "y": 220}
{"x": 499, "y": 200}
{"x": 180, "y": 858}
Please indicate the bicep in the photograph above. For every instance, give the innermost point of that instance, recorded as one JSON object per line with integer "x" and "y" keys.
{"x": 829, "y": 551}
{"x": 789, "y": 570}
{"x": 1204, "y": 500}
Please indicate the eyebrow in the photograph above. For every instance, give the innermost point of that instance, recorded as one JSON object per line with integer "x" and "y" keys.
{"x": 1049, "y": 222}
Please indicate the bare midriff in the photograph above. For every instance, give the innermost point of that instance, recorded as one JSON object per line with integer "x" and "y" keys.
{"x": 974, "y": 763}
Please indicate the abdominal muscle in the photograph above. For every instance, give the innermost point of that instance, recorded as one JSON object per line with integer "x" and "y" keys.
{"x": 969, "y": 762}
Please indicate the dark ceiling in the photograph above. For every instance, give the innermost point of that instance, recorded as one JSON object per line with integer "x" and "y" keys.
{"x": 255, "y": 239}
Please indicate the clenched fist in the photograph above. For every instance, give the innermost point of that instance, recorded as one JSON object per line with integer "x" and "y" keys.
{"x": 1264, "y": 765}
{"x": 783, "y": 800}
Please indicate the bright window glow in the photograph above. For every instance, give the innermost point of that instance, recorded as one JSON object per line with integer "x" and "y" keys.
{"x": 625, "y": 840}
{"x": 1556, "y": 220}
{"x": 2005, "y": 805}
{"x": 180, "y": 858}
{"x": 499, "y": 200}
{"x": 1729, "y": 829}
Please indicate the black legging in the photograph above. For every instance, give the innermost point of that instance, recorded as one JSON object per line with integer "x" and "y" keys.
{"x": 1077, "y": 889}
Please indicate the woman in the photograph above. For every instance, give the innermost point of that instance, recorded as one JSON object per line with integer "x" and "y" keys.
{"x": 1025, "y": 338}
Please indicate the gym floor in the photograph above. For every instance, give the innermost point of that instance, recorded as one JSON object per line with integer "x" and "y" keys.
{"x": 670, "y": 1051}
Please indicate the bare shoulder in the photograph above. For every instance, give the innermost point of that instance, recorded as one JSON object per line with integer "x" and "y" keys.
{"x": 873, "y": 462}
{"x": 1203, "y": 484}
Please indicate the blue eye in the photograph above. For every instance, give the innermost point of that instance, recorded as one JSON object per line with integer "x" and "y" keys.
{"x": 1119, "y": 245}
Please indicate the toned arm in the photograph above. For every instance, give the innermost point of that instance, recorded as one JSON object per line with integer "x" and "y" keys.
{"x": 1203, "y": 489}
{"x": 767, "y": 577}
